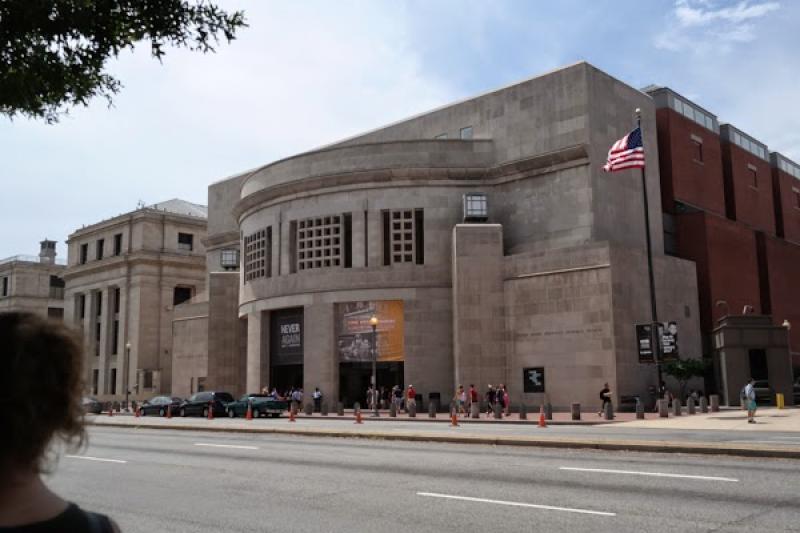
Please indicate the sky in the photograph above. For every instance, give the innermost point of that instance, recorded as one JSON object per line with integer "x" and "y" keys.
{"x": 308, "y": 73}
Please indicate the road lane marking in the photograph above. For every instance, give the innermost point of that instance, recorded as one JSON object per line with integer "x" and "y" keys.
{"x": 514, "y": 504}
{"x": 236, "y": 446}
{"x": 652, "y": 474}
{"x": 101, "y": 459}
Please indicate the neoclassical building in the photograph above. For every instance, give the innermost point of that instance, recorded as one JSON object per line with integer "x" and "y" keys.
{"x": 485, "y": 238}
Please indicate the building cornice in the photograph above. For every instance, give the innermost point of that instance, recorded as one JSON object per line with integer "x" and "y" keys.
{"x": 135, "y": 259}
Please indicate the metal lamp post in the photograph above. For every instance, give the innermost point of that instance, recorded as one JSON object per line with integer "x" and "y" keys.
{"x": 127, "y": 374}
{"x": 374, "y": 323}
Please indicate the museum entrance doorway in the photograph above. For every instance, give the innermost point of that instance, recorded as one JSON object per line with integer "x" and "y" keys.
{"x": 354, "y": 379}
{"x": 286, "y": 377}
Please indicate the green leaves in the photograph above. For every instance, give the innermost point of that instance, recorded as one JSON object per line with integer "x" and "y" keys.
{"x": 686, "y": 369}
{"x": 53, "y": 53}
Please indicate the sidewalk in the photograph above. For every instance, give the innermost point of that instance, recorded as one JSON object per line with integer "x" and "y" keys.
{"x": 628, "y": 435}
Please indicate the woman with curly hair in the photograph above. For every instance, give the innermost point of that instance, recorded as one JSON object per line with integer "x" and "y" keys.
{"x": 42, "y": 375}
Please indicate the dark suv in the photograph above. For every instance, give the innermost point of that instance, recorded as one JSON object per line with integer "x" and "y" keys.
{"x": 198, "y": 404}
{"x": 159, "y": 405}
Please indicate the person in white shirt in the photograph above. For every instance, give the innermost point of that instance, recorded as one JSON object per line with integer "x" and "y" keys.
{"x": 750, "y": 401}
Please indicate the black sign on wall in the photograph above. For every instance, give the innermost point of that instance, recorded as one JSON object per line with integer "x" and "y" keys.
{"x": 644, "y": 341}
{"x": 533, "y": 379}
{"x": 286, "y": 337}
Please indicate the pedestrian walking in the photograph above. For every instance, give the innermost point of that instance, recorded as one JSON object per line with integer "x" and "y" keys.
{"x": 411, "y": 397}
{"x": 397, "y": 397}
{"x": 605, "y": 396}
{"x": 490, "y": 397}
{"x": 473, "y": 396}
{"x": 462, "y": 400}
{"x": 750, "y": 401}
{"x": 317, "y": 396}
{"x": 506, "y": 401}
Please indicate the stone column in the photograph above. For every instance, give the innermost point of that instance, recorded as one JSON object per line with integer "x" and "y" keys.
{"x": 676, "y": 407}
{"x": 714, "y": 403}
{"x": 257, "y": 358}
{"x": 359, "y": 229}
{"x": 320, "y": 362}
{"x": 663, "y": 408}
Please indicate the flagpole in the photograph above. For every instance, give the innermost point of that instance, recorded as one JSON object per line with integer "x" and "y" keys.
{"x": 654, "y": 340}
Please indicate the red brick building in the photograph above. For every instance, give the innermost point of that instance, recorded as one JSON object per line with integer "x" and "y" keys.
{"x": 732, "y": 208}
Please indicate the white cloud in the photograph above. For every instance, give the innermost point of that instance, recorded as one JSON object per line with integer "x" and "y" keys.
{"x": 704, "y": 26}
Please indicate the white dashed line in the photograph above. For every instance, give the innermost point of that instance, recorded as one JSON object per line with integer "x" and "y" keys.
{"x": 236, "y": 446}
{"x": 101, "y": 459}
{"x": 651, "y": 474}
{"x": 514, "y": 504}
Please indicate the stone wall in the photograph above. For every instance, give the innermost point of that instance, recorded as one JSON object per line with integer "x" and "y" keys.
{"x": 190, "y": 354}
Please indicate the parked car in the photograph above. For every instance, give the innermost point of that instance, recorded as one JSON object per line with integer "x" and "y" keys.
{"x": 765, "y": 395}
{"x": 92, "y": 405}
{"x": 263, "y": 404}
{"x": 199, "y": 402}
{"x": 159, "y": 405}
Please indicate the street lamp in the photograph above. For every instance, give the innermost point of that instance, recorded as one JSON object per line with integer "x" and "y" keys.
{"x": 374, "y": 323}
{"x": 127, "y": 374}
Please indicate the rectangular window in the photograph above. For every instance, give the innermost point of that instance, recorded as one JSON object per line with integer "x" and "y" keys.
{"x": 55, "y": 313}
{"x": 82, "y": 306}
{"x": 147, "y": 379}
{"x": 366, "y": 239}
{"x": 99, "y": 302}
{"x": 181, "y": 294}
{"x": 99, "y": 249}
{"x": 229, "y": 259}
{"x": 115, "y": 337}
{"x": 419, "y": 235}
{"x": 185, "y": 241}
{"x": 113, "y": 381}
{"x": 697, "y": 148}
{"x": 95, "y": 380}
{"x": 401, "y": 233}
{"x": 258, "y": 254}
{"x": 796, "y": 198}
{"x": 441, "y": 136}
{"x": 320, "y": 242}
{"x": 466, "y": 133}
{"x": 118, "y": 244}
{"x": 348, "y": 240}
{"x": 5, "y": 287}
{"x": 753, "y": 174}
{"x": 117, "y": 298}
{"x": 84, "y": 253}
{"x": 97, "y": 339}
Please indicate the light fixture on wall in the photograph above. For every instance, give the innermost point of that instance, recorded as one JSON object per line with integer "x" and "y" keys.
{"x": 747, "y": 310}
{"x": 786, "y": 324}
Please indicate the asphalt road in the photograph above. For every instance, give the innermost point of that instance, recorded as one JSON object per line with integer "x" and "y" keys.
{"x": 178, "y": 481}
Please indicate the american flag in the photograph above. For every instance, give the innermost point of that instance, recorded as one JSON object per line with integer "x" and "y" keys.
{"x": 627, "y": 152}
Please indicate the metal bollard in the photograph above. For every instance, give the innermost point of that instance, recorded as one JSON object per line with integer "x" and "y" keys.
{"x": 779, "y": 401}
{"x": 309, "y": 409}
{"x": 431, "y": 409}
{"x": 498, "y": 411}
{"x": 703, "y": 405}
{"x": 575, "y": 408}
{"x": 639, "y": 409}
{"x": 676, "y": 407}
{"x": 523, "y": 412}
{"x": 475, "y": 410}
{"x": 393, "y": 410}
{"x": 548, "y": 411}
{"x": 663, "y": 408}
{"x": 690, "y": 406}
{"x": 609, "y": 412}
{"x": 323, "y": 408}
{"x": 339, "y": 409}
{"x": 412, "y": 409}
{"x": 715, "y": 403}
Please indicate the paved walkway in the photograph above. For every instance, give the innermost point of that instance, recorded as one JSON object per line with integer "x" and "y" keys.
{"x": 767, "y": 419}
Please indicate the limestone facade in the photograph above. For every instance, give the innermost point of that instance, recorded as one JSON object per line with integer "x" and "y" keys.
{"x": 33, "y": 284}
{"x": 124, "y": 277}
{"x": 555, "y": 278}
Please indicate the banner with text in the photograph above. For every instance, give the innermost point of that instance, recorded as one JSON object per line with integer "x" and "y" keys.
{"x": 354, "y": 332}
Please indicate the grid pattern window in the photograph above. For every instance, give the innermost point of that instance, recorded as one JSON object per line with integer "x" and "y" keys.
{"x": 402, "y": 235}
{"x": 258, "y": 255}
{"x": 748, "y": 144}
{"x": 229, "y": 259}
{"x": 319, "y": 242}
{"x": 790, "y": 168}
{"x": 693, "y": 113}
{"x": 476, "y": 206}
{"x": 466, "y": 133}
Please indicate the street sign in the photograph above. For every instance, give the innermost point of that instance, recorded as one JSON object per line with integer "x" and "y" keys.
{"x": 533, "y": 379}
{"x": 644, "y": 341}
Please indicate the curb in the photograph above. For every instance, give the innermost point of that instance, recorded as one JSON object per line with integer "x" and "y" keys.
{"x": 697, "y": 448}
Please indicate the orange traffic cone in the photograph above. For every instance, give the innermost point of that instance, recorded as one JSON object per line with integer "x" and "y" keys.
{"x": 542, "y": 422}
{"x": 454, "y": 420}
{"x": 169, "y": 411}
{"x": 249, "y": 415}
{"x": 358, "y": 417}
{"x": 210, "y": 411}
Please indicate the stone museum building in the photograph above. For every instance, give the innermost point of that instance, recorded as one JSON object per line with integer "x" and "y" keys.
{"x": 124, "y": 277}
{"x": 33, "y": 284}
{"x": 484, "y": 237}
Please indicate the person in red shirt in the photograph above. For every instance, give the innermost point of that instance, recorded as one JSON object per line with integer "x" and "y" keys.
{"x": 473, "y": 396}
{"x": 411, "y": 397}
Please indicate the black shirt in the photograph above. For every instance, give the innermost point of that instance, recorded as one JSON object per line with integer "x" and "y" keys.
{"x": 603, "y": 393}
{"x": 72, "y": 520}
